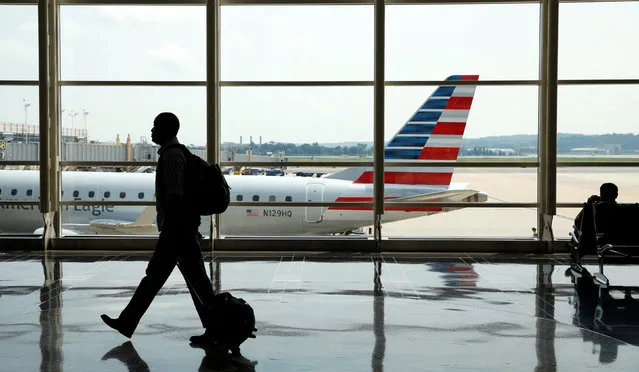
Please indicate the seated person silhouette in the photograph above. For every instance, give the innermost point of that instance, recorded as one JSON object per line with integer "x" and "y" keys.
{"x": 608, "y": 192}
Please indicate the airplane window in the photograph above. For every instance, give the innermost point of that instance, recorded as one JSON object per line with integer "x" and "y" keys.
{"x": 256, "y": 198}
{"x": 107, "y": 194}
{"x": 91, "y": 194}
{"x": 0, "y": 191}
{"x": 239, "y": 198}
{"x": 29, "y": 192}
{"x": 122, "y": 195}
{"x": 141, "y": 195}
{"x": 76, "y": 194}
{"x": 289, "y": 198}
{"x": 271, "y": 198}
{"x": 14, "y": 192}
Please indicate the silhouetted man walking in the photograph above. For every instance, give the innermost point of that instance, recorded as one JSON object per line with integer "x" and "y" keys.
{"x": 179, "y": 236}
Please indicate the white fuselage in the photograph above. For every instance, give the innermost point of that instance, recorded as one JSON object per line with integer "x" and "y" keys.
{"x": 237, "y": 220}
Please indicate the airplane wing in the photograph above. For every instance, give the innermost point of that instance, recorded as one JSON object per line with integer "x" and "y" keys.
{"x": 143, "y": 225}
{"x": 464, "y": 195}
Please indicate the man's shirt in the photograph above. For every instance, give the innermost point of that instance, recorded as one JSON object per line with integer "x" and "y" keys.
{"x": 169, "y": 179}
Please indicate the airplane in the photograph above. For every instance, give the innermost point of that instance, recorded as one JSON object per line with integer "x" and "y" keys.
{"x": 433, "y": 133}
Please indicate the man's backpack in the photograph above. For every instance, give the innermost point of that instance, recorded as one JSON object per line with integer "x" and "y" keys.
{"x": 232, "y": 321}
{"x": 206, "y": 186}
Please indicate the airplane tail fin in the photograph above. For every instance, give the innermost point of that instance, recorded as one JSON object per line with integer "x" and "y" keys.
{"x": 433, "y": 133}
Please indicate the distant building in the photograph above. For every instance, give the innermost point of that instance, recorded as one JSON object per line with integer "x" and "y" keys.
{"x": 12, "y": 132}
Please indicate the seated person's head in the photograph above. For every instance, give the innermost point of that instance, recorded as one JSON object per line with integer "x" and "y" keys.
{"x": 608, "y": 192}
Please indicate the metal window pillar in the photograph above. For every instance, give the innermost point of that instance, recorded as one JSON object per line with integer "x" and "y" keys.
{"x": 213, "y": 97}
{"x": 48, "y": 54}
{"x": 547, "y": 174}
{"x": 378, "y": 119}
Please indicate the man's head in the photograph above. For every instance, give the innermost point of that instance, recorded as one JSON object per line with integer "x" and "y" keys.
{"x": 608, "y": 192}
{"x": 165, "y": 126}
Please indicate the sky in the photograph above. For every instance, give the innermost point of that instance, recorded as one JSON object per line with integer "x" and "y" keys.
{"x": 425, "y": 42}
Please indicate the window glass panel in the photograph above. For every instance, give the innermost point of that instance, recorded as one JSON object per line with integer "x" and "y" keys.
{"x": 300, "y": 123}
{"x": 597, "y": 123}
{"x": 431, "y": 42}
{"x": 18, "y": 42}
{"x": 466, "y": 222}
{"x": 133, "y": 42}
{"x": 137, "y": 107}
{"x": 307, "y": 185}
{"x": 594, "y": 40}
{"x": 297, "y": 43}
{"x": 500, "y": 126}
{"x": 141, "y": 195}
{"x": 19, "y": 122}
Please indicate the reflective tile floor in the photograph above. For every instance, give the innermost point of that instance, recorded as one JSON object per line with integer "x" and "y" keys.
{"x": 314, "y": 313}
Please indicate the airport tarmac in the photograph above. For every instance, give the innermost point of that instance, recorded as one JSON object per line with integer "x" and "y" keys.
{"x": 574, "y": 185}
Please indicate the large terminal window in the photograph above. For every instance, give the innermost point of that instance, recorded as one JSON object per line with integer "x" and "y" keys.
{"x": 597, "y": 105}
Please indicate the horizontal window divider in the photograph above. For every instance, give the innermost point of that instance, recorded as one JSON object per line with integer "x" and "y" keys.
{"x": 300, "y": 204}
{"x": 465, "y": 164}
{"x": 308, "y": 83}
{"x": 129, "y": 203}
{"x": 18, "y": 162}
{"x": 398, "y": 83}
{"x": 576, "y": 164}
{"x": 461, "y": 204}
{"x": 571, "y": 205}
{"x": 19, "y": 202}
{"x": 416, "y": 164}
{"x": 387, "y": 203}
{"x": 293, "y": 2}
{"x": 131, "y": 83}
{"x": 72, "y": 163}
{"x": 597, "y": 81}
{"x": 365, "y": 2}
{"x": 327, "y": 164}
{"x": 285, "y": 83}
{"x": 18, "y": 2}
{"x": 132, "y": 2}
{"x": 34, "y": 83}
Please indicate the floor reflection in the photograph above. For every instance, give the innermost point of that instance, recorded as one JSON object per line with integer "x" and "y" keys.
{"x": 430, "y": 309}
{"x": 379, "y": 350}
{"x": 51, "y": 316}
{"x": 546, "y": 323}
{"x": 611, "y": 312}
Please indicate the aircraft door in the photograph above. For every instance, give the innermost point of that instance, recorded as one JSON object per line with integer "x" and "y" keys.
{"x": 314, "y": 193}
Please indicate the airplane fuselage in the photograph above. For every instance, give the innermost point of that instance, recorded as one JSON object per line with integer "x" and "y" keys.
{"x": 237, "y": 220}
